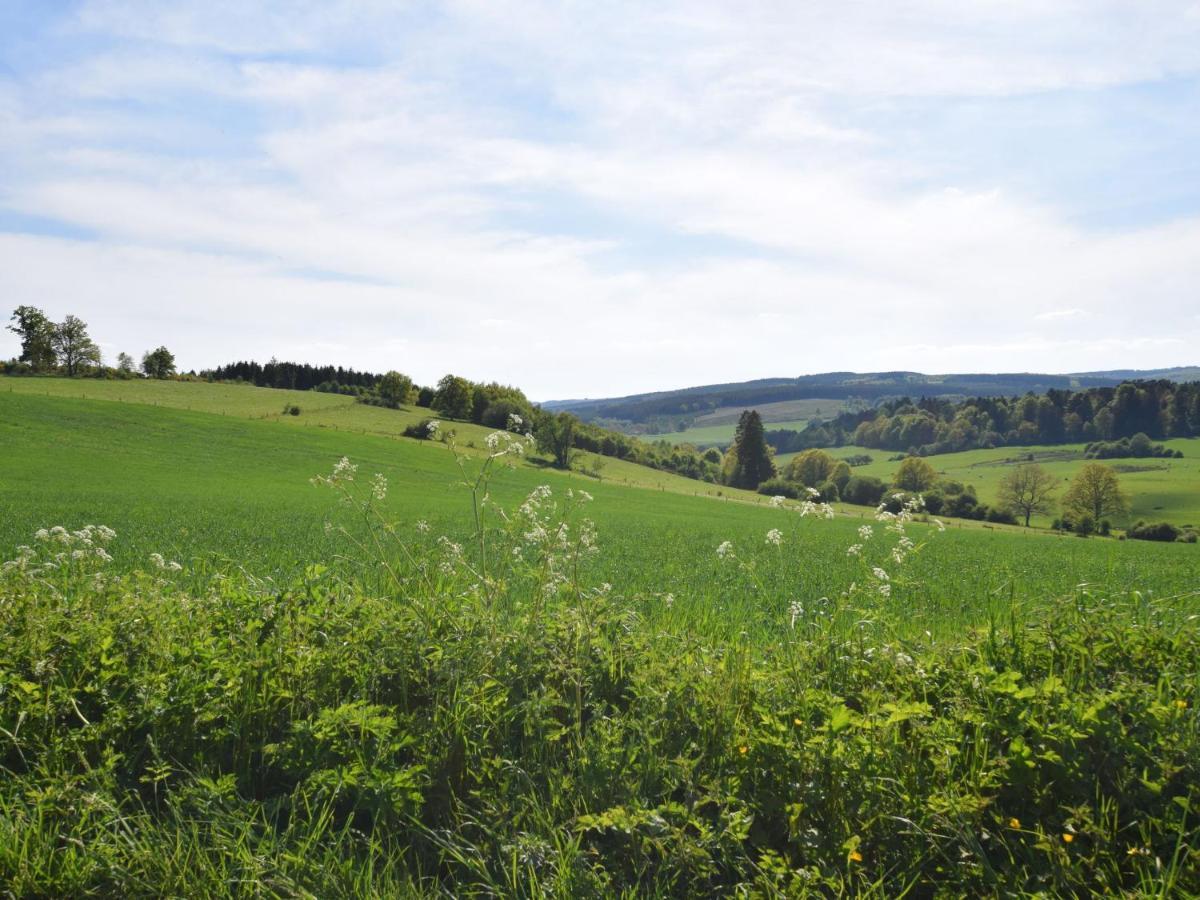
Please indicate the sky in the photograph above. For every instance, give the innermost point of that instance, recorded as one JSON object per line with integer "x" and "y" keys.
{"x": 594, "y": 199}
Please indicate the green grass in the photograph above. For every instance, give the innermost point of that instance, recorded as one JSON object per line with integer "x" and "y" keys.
{"x": 711, "y": 435}
{"x": 301, "y": 711}
{"x": 1166, "y": 490}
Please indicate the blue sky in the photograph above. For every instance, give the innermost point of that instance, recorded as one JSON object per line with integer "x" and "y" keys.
{"x": 593, "y": 199}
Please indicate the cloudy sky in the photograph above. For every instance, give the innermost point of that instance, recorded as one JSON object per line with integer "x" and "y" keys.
{"x": 598, "y": 198}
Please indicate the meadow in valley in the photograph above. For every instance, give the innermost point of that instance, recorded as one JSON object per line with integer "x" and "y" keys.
{"x": 450, "y": 668}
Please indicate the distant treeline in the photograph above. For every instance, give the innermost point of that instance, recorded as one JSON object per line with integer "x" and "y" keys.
{"x": 931, "y": 425}
{"x": 293, "y": 376}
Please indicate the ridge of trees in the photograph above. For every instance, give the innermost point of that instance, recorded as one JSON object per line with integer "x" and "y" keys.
{"x": 1157, "y": 409}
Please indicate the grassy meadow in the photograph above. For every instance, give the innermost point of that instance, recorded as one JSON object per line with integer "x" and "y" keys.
{"x": 1159, "y": 490}
{"x": 353, "y": 688}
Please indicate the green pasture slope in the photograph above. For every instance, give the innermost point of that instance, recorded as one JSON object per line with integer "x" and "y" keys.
{"x": 1160, "y": 490}
{"x": 1010, "y": 714}
{"x": 197, "y": 485}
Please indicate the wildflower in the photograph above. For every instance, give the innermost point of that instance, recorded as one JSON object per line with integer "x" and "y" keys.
{"x": 432, "y": 428}
{"x": 379, "y": 486}
{"x": 1068, "y": 837}
{"x": 885, "y": 590}
{"x": 795, "y": 610}
{"x": 157, "y": 559}
{"x": 865, "y": 532}
{"x": 42, "y": 534}
{"x": 174, "y": 566}
{"x": 940, "y": 525}
{"x": 1138, "y": 851}
{"x": 493, "y": 440}
{"x": 777, "y": 501}
{"x": 514, "y": 422}
{"x": 879, "y": 574}
{"x": 1014, "y": 823}
{"x": 743, "y": 749}
{"x": 1181, "y": 704}
{"x": 584, "y": 496}
{"x": 775, "y": 536}
{"x": 812, "y": 492}
{"x": 668, "y": 600}
{"x": 422, "y": 526}
{"x": 855, "y": 856}
{"x": 854, "y": 549}
{"x": 725, "y": 549}
{"x": 344, "y": 470}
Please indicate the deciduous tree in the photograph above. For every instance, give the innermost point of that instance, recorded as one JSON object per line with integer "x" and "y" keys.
{"x": 159, "y": 363}
{"x": 1095, "y": 492}
{"x": 75, "y": 348}
{"x": 1027, "y": 490}
{"x": 37, "y": 337}
{"x": 915, "y": 474}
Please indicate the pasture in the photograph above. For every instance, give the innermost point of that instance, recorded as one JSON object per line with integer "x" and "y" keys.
{"x": 352, "y": 688}
{"x": 1166, "y": 490}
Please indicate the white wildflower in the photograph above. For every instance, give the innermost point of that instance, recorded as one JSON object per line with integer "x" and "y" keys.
{"x": 42, "y": 534}
{"x": 854, "y": 550}
{"x": 514, "y": 422}
{"x": 865, "y": 532}
{"x": 422, "y": 526}
{"x": 879, "y": 574}
{"x": 775, "y": 536}
{"x": 725, "y": 549}
{"x": 795, "y": 611}
{"x": 379, "y": 486}
{"x": 157, "y": 559}
{"x": 431, "y": 429}
{"x": 778, "y": 501}
{"x": 173, "y": 566}
{"x": 493, "y": 440}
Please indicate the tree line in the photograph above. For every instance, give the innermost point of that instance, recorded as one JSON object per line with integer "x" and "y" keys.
{"x": 1156, "y": 409}
{"x": 66, "y": 348}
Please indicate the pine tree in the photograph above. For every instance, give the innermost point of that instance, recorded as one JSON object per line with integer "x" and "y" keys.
{"x": 749, "y": 462}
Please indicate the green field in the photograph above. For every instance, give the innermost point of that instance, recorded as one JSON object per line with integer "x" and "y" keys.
{"x": 1166, "y": 490}
{"x": 712, "y": 435}
{"x": 430, "y": 706}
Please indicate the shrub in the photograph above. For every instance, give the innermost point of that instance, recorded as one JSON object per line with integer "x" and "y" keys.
{"x": 425, "y": 430}
{"x": 1001, "y": 516}
{"x": 291, "y": 409}
{"x": 1154, "y": 531}
{"x": 1085, "y": 525}
{"x": 781, "y": 487}
{"x": 865, "y": 490}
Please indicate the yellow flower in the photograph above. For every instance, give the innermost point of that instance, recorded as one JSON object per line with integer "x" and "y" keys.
{"x": 797, "y": 722}
{"x": 1014, "y": 822}
{"x": 1181, "y": 704}
{"x": 855, "y": 856}
{"x": 1068, "y": 837}
{"x": 743, "y": 749}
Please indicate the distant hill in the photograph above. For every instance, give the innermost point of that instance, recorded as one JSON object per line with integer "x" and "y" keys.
{"x": 869, "y": 387}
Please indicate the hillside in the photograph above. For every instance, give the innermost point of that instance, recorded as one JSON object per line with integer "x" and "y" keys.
{"x": 255, "y": 682}
{"x": 835, "y": 388}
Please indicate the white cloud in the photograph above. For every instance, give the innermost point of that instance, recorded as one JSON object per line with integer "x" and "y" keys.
{"x": 581, "y": 201}
{"x": 1056, "y": 314}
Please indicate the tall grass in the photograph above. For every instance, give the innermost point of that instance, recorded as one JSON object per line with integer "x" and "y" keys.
{"x": 482, "y": 711}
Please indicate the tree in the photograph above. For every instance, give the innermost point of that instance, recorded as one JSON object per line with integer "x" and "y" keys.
{"x": 555, "y": 434}
{"x": 749, "y": 462}
{"x": 811, "y": 468}
{"x": 396, "y": 388}
{"x": 75, "y": 348}
{"x": 915, "y": 474}
{"x": 454, "y": 397}
{"x": 1027, "y": 490}
{"x": 159, "y": 363}
{"x": 1095, "y": 492}
{"x": 125, "y": 363}
{"x": 37, "y": 337}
